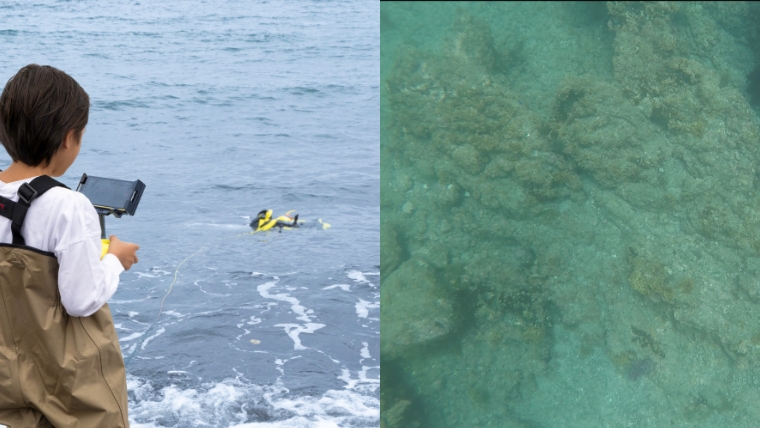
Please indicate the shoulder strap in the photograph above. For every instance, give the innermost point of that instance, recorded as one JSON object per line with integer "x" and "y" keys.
{"x": 16, "y": 211}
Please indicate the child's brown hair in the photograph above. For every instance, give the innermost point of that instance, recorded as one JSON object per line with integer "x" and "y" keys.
{"x": 38, "y": 107}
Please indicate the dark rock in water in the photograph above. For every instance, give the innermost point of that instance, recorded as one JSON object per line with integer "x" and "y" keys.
{"x": 640, "y": 368}
{"x": 753, "y": 87}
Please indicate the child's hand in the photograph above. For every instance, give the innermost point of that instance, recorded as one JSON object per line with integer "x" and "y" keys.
{"x": 126, "y": 252}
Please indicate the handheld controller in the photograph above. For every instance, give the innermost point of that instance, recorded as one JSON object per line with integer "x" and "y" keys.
{"x": 110, "y": 196}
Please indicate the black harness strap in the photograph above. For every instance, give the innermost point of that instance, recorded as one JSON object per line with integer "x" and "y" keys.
{"x": 16, "y": 211}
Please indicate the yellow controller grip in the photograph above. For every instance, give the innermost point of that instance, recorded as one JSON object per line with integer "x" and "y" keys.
{"x": 105, "y": 243}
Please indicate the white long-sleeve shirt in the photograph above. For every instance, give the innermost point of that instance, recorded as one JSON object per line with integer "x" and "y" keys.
{"x": 65, "y": 223}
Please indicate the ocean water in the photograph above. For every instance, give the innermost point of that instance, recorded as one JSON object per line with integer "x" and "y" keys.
{"x": 223, "y": 109}
{"x": 569, "y": 207}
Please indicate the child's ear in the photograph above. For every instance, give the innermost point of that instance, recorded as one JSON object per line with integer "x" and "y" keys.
{"x": 68, "y": 140}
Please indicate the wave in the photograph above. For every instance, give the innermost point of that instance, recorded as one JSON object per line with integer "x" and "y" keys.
{"x": 239, "y": 404}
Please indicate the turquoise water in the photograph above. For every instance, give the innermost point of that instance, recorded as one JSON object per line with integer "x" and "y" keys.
{"x": 569, "y": 215}
{"x": 225, "y": 108}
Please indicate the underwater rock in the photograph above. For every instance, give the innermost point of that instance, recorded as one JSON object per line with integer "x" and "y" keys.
{"x": 390, "y": 250}
{"x": 394, "y": 417}
{"x": 473, "y": 43}
{"x": 415, "y": 308}
{"x": 640, "y": 368}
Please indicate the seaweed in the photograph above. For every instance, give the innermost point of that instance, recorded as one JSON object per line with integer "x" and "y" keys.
{"x": 645, "y": 341}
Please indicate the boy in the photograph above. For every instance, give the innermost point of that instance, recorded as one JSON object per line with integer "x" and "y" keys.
{"x": 60, "y": 360}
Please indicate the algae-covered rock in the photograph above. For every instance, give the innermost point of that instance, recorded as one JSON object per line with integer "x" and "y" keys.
{"x": 605, "y": 134}
{"x": 394, "y": 416}
{"x": 416, "y": 309}
{"x": 650, "y": 278}
{"x": 458, "y": 112}
{"x": 472, "y": 43}
{"x": 390, "y": 250}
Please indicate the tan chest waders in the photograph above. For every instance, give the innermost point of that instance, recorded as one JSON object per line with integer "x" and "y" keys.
{"x": 55, "y": 370}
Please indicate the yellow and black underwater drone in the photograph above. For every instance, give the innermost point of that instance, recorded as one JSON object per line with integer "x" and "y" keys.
{"x": 264, "y": 221}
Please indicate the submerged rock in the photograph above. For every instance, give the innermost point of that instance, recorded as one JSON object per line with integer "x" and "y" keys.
{"x": 640, "y": 368}
{"x": 415, "y": 308}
